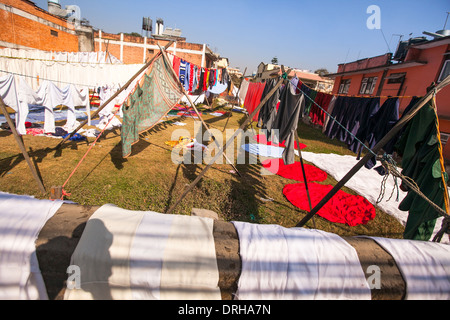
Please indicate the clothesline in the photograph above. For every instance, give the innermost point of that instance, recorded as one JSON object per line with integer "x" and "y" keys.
{"x": 334, "y": 119}
{"x": 44, "y": 79}
{"x": 56, "y": 61}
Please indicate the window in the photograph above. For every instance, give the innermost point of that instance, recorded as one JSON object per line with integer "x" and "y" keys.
{"x": 54, "y": 33}
{"x": 396, "y": 78}
{"x": 445, "y": 71}
{"x": 345, "y": 85}
{"x": 368, "y": 85}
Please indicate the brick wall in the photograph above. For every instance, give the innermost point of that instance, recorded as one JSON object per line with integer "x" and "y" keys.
{"x": 24, "y": 24}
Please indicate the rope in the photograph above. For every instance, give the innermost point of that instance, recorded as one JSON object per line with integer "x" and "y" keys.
{"x": 441, "y": 156}
{"x": 387, "y": 161}
{"x": 64, "y": 193}
{"x": 57, "y": 81}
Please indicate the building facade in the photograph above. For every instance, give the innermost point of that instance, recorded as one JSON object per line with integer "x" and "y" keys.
{"x": 134, "y": 49}
{"x": 312, "y": 80}
{"x": 417, "y": 64}
{"x": 26, "y": 26}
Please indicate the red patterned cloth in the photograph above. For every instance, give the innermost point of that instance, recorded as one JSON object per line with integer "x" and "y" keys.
{"x": 294, "y": 171}
{"x": 352, "y": 210}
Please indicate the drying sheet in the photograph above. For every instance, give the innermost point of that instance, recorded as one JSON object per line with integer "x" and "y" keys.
{"x": 21, "y": 220}
{"x": 425, "y": 267}
{"x": 264, "y": 150}
{"x": 144, "y": 255}
{"x": 344, "y": 208}
{"x": 294, "y": 171}
{"x": 297, "y": 264}
{"x": 9, "y": 95}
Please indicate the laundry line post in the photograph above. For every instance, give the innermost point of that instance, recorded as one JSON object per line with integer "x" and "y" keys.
{"x": 195, "y": 109}
{"x": 304, "y": 175}
{"x": 237, "y": 95}
{"x": 21, "y": 145}
{"x": 113, "y": 96}
{"x": 231, "y": 140}
{"x": 398, "y": 126}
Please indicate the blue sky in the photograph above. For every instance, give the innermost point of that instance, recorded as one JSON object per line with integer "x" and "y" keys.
{"x": 301, "y": 34}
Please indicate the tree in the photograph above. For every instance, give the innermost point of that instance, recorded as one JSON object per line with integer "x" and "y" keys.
{"x": 322, "y": 72}
{"x": 133, "y": 34}
{"x": 274, "y": 60}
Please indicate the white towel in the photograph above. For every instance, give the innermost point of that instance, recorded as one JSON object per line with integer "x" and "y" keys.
{"x": 297, "y": 264}
{"x": 21, "y": 220}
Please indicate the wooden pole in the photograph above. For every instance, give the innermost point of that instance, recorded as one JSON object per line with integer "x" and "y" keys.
{"x": 400, "y": 124}
{"x": 113, "y": 96}
{"x": 237, "y": 95}
{"x": 304, "y": 175}
{"x": 195, "y": 109}
{"x": 21, "y": 145}
{"x": 231, "y": 140}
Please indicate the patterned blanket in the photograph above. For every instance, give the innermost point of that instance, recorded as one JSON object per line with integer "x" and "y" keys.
{"x": 149, "y": 103}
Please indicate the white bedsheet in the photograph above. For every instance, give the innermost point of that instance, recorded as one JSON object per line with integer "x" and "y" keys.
{"x": 425, "y": 267}
{"x": 144, "y": 255}
{"x": 297, "y": 264}
{"x": 21, "y": 220}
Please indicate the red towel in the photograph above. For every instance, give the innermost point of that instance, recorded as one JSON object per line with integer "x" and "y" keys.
{"x": 352, "y": 210}
{"x": 294, "y": 171}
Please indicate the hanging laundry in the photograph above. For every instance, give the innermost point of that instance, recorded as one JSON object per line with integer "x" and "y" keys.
{"x": 286, "y": 120}
{"x": 419, "y": 148}
{"x": 192, "y": 76}
{"x": 176, "y": 65}
{"x": 187, "y": 77}
{"x": 294, "y": 171}
{"x": 182, "y": 73}
{"x": 329, "y": 111}
{"x": 9, "y": 95}
{"x": 253, "y": 98}
{"x": 268, "y": 110}
{"x": 243, "y": 91}
{"x": 147, "y": 105}
{"x": 316, "y": 114}
{"x": 389, "y": 147}
{"x": 379, "y": 125}
{"x": 343, "y": 208}
{"x": 349, "y": 115}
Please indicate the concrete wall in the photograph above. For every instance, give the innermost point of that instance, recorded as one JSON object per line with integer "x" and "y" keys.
{"x": 130, "y": 49}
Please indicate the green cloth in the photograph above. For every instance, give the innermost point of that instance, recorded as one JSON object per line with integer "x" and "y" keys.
{"x": 309, "y": 102}
{"x": 419, "y": 149}
{"x": 146, "y": 106}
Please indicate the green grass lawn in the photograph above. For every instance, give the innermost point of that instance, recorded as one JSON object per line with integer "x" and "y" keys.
{"x": 149, "y": 180}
